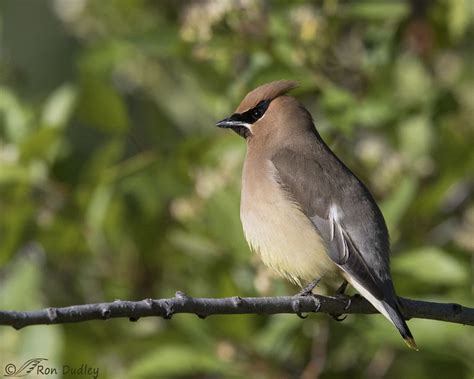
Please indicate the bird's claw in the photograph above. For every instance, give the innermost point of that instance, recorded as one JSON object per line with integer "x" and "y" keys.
{"x": 296, "y": 308}
{"x": 349, "y": 302}
{"x": 308, "y": 290}
{"x": 342, "y": 288}
{"x": 337, "y": 317}
{"x": 301, "y": 315}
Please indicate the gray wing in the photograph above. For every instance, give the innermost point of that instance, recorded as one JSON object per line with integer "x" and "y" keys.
{"x": 347, "y": 218}
{"x": 343, "y": 212}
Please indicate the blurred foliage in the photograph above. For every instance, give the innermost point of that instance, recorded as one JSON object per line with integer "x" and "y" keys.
{"x": 115, "y": 184}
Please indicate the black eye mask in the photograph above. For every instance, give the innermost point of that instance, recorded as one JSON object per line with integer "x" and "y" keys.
{"x": 237, "y": 121}
{"x": 254, "y": 114}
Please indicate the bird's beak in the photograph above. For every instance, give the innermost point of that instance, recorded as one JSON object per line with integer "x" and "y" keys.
{"x": 236, "y": 123}
{"x": 231, "y": 122}
{"x": 227, "y": 123}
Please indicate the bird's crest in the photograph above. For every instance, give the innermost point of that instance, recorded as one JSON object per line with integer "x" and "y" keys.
{"x": 267, "y": 91}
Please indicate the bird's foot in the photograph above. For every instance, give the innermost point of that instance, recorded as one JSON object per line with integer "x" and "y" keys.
{"x": 338, "y": 316}
{"x": 296, "y": 305}
{"x": 342, "y": 288}
{"x": 308, "y": 290}
{"x": 340, "y": 294}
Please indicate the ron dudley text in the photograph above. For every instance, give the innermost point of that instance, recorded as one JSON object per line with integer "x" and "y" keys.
{"x": 83, "y": 370}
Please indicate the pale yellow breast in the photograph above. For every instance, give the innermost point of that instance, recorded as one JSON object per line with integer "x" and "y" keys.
{"x": 279, "y": 232}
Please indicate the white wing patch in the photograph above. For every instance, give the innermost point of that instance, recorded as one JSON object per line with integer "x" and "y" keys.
{"x": 337, "y": 232}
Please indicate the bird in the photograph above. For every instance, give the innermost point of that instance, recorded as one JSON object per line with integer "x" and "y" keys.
{"x": 302, "y": 209}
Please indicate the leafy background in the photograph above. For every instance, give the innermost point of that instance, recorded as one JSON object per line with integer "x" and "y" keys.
{"x": 114, "y": 182}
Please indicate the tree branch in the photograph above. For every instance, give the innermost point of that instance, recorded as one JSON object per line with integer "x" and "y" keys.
{"x": 204, "y": 307}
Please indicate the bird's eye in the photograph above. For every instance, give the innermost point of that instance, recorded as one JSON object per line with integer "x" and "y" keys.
{"x": 256, "y": 114}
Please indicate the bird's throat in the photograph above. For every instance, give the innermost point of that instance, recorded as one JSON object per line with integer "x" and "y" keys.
{"x": 241, "y": 131}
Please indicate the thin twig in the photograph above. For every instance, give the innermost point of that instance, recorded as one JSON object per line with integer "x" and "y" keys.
{"x": 204, "y": 307}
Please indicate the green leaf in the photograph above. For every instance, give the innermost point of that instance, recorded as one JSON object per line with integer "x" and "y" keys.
{"x": 20, "y": 291}
{"x": 416, "y": 136}
{"x": 59, "y": 106}
{"x": 14, "y": 116}
{"x": 413, "y": 84}
{"x": 431, "y": 265}
{"x": 44, "y": 143}
{"x": 382, "y": 10}
{"x": 178, "y": 361}
{"x": 102, "y": 106}
{"x": 460, "y": 15}
{"x": 278, "y": 336}
{"x": 395, "y": 206}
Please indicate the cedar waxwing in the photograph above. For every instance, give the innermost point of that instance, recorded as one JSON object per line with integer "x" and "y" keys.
{"x": 302, "y": 210}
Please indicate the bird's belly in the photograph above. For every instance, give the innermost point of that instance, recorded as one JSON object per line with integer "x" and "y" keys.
{"x": 285, "y": 238}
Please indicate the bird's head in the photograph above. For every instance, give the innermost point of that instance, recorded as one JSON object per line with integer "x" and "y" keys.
{"x": 261, "y": 108}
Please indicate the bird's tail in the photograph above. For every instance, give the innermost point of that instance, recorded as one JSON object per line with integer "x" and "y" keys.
{"x": 396, "y": 318}
{"x": 390, "y": 309}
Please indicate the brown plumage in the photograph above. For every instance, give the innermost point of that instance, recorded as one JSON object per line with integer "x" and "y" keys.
{"x": 266, "y": 91}
{"x": 302, "y": 210}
